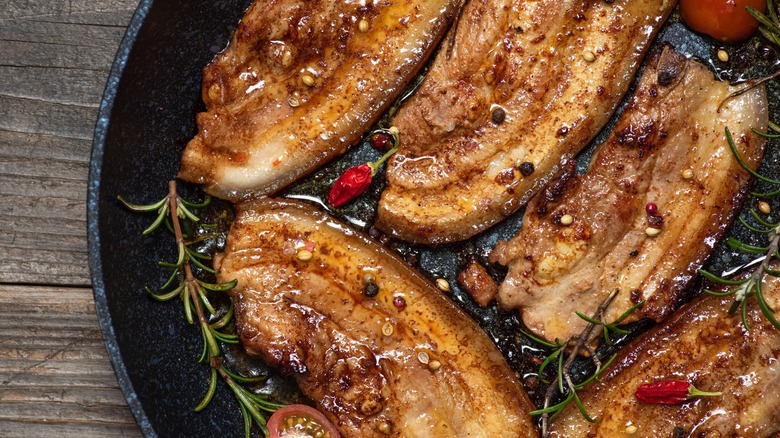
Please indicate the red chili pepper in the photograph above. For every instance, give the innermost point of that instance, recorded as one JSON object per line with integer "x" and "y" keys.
{"x": 669, "y": 392}
{"x": 355, "y": 180}
{"x": 350, "y": 184}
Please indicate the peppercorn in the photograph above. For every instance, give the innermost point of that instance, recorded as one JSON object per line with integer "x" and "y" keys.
{"x": 304, "y": 255}
{"x": 651, "y": 209}
{"x": 363, "y": 25}
{"x": 589, "y": 56}
{"x": 381, "y": 141}
{"x": 399, "y": 302}
{"x": 308, "y": 80}
{"x": 498, "y": 115}
{"x": 527, "y": 168}
{"x": 443, "y": 285}
{"x": 371, "y": 290}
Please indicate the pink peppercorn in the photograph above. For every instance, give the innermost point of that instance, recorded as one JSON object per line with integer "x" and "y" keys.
{"x": 381, "y": 141}
{"x": 399, "y": 302}
{"x": 651, "y": 209}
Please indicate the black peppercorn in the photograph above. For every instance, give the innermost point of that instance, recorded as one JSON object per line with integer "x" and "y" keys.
{"x": 371, "y": 290}
{"x": 498, "y": 115}
{"x": 527, "y": 168}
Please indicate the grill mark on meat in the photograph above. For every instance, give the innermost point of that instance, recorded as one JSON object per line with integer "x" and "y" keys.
{"x": 555, "y": 270}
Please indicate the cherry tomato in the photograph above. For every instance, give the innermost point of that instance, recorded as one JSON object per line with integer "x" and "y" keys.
{"x": 300, "y": 421}
{"x": 725, "y": 20}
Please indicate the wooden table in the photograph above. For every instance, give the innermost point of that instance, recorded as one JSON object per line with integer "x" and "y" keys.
{"x": 55, "y": 376}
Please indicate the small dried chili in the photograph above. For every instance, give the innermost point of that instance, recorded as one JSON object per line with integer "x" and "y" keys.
{"x": 355, "y": 180}
{"x": 669, "y": 392}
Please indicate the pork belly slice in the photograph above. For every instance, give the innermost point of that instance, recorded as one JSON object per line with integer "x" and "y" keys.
{"x": 701, "y": 344}
{"x": 526, "y": 84}
{"x": 405, "y": 362}
{"x": 669, "y": 148}
{"x": 299, "y": 83}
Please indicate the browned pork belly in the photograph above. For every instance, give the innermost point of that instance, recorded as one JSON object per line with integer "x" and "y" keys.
{"x": 525, "y": 84}
{"x": 668, "y": 149}
{"x": 379, "y": 349}
{"x": 299, "y": 83}
{"x": 703, "y": 345}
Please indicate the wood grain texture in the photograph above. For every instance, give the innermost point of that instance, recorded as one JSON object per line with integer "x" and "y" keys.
{"x": 54, "y": 60}
{"x": 55, "y": 375}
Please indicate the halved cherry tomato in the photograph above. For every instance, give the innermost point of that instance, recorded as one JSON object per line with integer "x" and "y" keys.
{"x": 300, "y": 421}
{"x": 725, "y": 20}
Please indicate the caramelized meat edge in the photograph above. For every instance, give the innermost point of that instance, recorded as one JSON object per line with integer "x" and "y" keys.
{"x": 706, "y": 346}
{"x": 299, "y": 83}
{"x": 669, "y": 151}
{"x": 525, "y": 85}
{"x": 379, "y": 349}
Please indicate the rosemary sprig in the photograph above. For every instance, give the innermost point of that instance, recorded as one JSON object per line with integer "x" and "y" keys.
{"x": 176, "y": 213}
{"x": 769, "y": 24}
{"x": 563, "y": 383}
{"x": 744, "y": 288}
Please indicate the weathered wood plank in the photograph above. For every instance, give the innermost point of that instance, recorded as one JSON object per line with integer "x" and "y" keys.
{"x": 54, "y": 60}
{"x": 48, "y": 428}
{"x": 55, "y": 377}
{"x": 60, "y": 85}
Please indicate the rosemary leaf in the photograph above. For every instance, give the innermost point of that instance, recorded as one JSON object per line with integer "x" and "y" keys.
{"x": 766, "y": 195}
{"x": 209, "y": 393}
{"x": 741, "y": 161}
{"x": 760, "y": 220}
{"x": 752, "y": 228}
{"x": 719, "y": 294}
{"x": 190, "y": 204}
{"x": 160, "y": 219}
{"x": 768, "y": 312}
{"x": 744, "y": 247}
{"x": 221, "y": 287}
{"x": 628, "y": 313}
{"x": 184, "y": 212}
{"x": 581, "y": 407}
{"x": 539, "y": 340}
{"x": 587, "y": 318}
{"x": 765, "y": 134}
{"x": 225, "y": 319}
{"x": 165, "y": 296}
{"x": 712, "y": 277}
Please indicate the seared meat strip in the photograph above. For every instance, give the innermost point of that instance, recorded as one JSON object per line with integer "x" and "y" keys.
{"x": 701, "y": 344}
{"x": 526, "y": 83}
{"x": 669, "y": 150}
{"x": 300, "y": 82}
{"x": 379, "y": 349}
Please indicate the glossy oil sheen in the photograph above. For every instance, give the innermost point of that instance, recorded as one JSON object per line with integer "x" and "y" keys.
{"x": 147, "y": 116}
